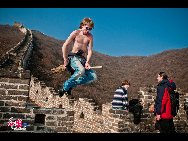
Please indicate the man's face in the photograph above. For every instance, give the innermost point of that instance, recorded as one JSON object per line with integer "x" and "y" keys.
{"x": 126, "y": 86}
{"x": 159, "y": 78}
{"x": 86, "y": 28}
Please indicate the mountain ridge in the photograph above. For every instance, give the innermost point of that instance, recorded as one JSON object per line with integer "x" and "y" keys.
{"x": 47, "y": 54}
{"x": 137, "y": 69}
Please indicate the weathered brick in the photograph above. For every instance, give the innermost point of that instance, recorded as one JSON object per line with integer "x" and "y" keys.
{"x": 50, "y": 117}
{"x": 15, "y": 103}
{"x": 20, "y": 110}
{"x": 8, "y": 97}
{"x": 15, "y": 115}
{"x": 70, "y": 113}
{"x": 4, "y": 109}
{"x": 2, "y": 103}
{"x": 17, "y": 92}
{"x": 62, "y": 118}
{"x": 22, "y": 98}
{"x": 24, "y": 87}
{"x": 4, "y": 79}
{"x": 65, "y": 123}
{"x": 29, "y": 122}
{"x": 42, "y": 111}
{"x": 58, "y": 111}
{"x": 61, "y": 129}
{"x": 51, "y": 123}
{"x": 10, "y": 86}
{"x": 2, "y": 91}
{"x": 20, "y": 81}
{"x": 30, "y": 128}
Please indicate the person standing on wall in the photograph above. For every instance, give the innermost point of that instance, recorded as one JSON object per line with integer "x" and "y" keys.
{"x": 162, "y": 107}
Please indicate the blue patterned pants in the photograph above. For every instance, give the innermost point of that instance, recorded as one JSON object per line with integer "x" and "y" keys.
{"x": 80, "y": 76}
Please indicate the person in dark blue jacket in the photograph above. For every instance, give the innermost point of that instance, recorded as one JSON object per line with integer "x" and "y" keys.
{"x": 162, "y": 107}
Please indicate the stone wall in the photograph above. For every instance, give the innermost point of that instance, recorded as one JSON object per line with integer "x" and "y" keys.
{"x": 46, "y": 97}
{"x": 14, "y": 95}
{"x": 89, "y": 118}
{"x": 24, "y": 97}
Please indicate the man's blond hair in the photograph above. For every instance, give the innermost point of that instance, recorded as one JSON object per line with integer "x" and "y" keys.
{"x": 86, "y": 21}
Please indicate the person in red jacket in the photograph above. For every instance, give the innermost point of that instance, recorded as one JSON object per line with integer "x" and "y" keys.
{"x": 162, "y": 107}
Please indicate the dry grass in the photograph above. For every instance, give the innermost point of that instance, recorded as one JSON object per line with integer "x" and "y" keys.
{"x": 9, "y": 37}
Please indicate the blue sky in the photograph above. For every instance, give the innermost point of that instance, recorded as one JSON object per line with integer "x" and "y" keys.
{"x": 117, "y": 32}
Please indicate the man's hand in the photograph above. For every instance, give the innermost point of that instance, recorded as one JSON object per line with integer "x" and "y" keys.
{"x": 151, "y": 109}
{"x": 158, "y": 117}
{"x": 87, "y": 66}
{"x": 127, "y": 111}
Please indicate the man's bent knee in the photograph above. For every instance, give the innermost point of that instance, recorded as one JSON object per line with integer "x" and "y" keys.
{"x": 79, "y": 73}
{"x": 95, "y": 77}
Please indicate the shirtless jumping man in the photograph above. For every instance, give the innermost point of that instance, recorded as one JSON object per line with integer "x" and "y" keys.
{"x": 82, "y": 73}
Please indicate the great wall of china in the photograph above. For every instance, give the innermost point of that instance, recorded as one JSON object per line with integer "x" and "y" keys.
{"x": 24, "y": 97}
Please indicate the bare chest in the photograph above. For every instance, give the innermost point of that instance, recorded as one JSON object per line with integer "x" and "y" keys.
{"x": 81, "y": 39}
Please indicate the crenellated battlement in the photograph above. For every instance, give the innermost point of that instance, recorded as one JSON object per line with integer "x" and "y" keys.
{"x": 89, "y": 118}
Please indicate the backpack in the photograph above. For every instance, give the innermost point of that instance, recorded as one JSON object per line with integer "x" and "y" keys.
{"x": 174, "y": 99}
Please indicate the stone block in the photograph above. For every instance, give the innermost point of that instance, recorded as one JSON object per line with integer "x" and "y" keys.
{"x": 58, "y": 111}
{"x": 42, "y": 111}
{"x": 23, "y": 87}
{"x": 15, "y": 103}
{"x": 15, "y": 116}
{"x": 8, "y": 86}
{"x": 4, "y": 79}
{"x": 70, "y": 113}
{"x": 64, "y": 118}
{"x": 4, "y": 109}
{"x": 2, "y": 103}
{"x": 61, "y": 129}
{"x": 2, "y": 91}
{"x": 20, "y": 81}
{"x": 17, "y": 92}
{"x": 22, "y": 98}
{"x": 8, "y": 97}
{"x": 20, "y": 110}
{"x": 50, "y": 123}
{"x": 50, "y": 117}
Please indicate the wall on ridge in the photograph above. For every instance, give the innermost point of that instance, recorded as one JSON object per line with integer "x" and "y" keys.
{"x": 88, "y": 118}
{"x": 15, "y": 62}
{"x": 14, "y": 96}
{"x": 25, "y": 97}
